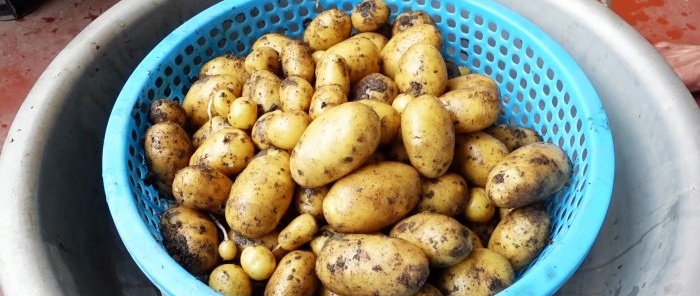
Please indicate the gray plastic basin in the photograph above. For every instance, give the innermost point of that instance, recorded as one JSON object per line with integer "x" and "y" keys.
{"x": 58, "y": 237}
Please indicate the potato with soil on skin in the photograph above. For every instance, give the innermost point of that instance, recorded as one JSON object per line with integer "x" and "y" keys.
{"x": 475, "y": 155}
{"x": 221, "y": 99}
{"x": 400, "y": 43}
{"x": 263, "y": 88}
{"x": 428, "y": 135}
{"x": 327, "y": 29}
{"x": 226, "y": 64}
{"x": 471, "y": 80}
{"x": 478, "y": 207}
{"x": 167, "y": 110}
{"x": 191, "y": 239}
{"x": 197, "y": 99}
{"x": 393, "y": 266}
{"x": 442, "y": 238}
{"x": 268, "y": 241}
{"x": 258, "y": 262}
{"x": 375, "y": 86}
{"x": 421, "y": 71}
{"x": 298, "y": 232}
{"x": 230, "y": 280}
{"x": 325, "y": 98}
{"x": 310, "y": 201}
{"x": 295, "y": 94}
{"x": 320, "y": 238}
{"x": 297, "y": 60}
{"x": 390, "y": 120}
{"x": 513, "y": 136}
{"x": 352, "y": 129}
{"x": 483, "y": 273}
{"x": 202, "y": 188}
{"x": 263, "y": 58}
{"x": 333, "y": 70}
{"x": 521, "y": 235}
{"x": 279, "y": 129}
{"x": 295, "y": 275}
{"x": 428, "y": 290}
{"x": 370, "y": 15}
{"x": 472, "y": 109}
{"x": 372, "y": 197}
{"x": 209, "y": 128}
{"x": 227, "y": 151}
{"x": 528, "y": 175}
{"x": 275, "y": 40}
{"x": 444, "y": 195}
{"x": 361, "y": 55}
{"x": 243, "y": 113}
{"x": 409, "y": 19}
{"x": 379, "y": 40}
{"x": 261, "y": 194}
{"x": 167, "y": 148}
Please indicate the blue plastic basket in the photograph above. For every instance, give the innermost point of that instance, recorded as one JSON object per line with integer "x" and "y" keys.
{"x": 541, "y": 85}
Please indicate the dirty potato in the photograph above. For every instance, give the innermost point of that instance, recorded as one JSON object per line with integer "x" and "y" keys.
{"x": 209, "y": 128}
{"x": 295, "y": 275}
{"x": 444, "y": 195}
{"x": 409, "y": 19}
{"x": 167, "y": 148}
{"x": 274, "y": 40}
{"x": 310, "y": 201}
{"x": 191, "y": 238}
{"x": 295, "y": 94}
{"x": 297, "y": 60}
{"x": 472, "y": 109}
{"x": 401, "y": 42}
{"x": 243, "y": 113}
{"x": 370, "y": 15}
{"x": 227, "y": 151}
{"x": 227, "y": 64}
{"x": 298, "y": 232}
{"x": 428, "y": 290}
{"x": 379, "y": 40}
{"x": 230, "y": 280}
{"x": 197, "y": 100}
{"x": 475, "y": 155}
{"x": 263, "y": 58}
{"x": 483, "y": 273}
{"x": 513, "y": 136}
{"x": 521, "y": 235}
{"x": 428, "y": 135}
{"x": 478, "y": 207}
{"x": 327, "y": 29}
{"x": 201, "y": 187}
{"x": 167, "y": 110}
{"x": 421, "y": 71}
{"x": 361, "y": 56}
{"x": 375, "y": 86}
{"x": 325, "y": 98}
{"x": 389, "y": 118}
{"x": 333, "y": 70}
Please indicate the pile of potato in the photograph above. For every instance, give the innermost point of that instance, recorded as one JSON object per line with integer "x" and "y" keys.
{"x": 352, "y": 162}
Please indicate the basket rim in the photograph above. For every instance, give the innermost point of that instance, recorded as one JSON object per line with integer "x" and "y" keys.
{"x": 543, "y": 278}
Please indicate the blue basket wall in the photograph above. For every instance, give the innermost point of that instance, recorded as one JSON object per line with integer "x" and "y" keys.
{"x": 541, "y": 87}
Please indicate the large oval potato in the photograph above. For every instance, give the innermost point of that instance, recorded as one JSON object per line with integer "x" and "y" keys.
{"x": 443, "y": 239}
{"x": 521, "y": 235}
{"x": 196, "y": 102}
{"x": 297, "y": 60}
{"x": 372, "y": 197}
{"x": 295, "y": 275}
{"x": 227, "y": 151}
{"x": 475, "y": 155}
{"x": 513, "y": 136}
{"x": 201, "y": 187}
{"x": 261, "y": 194}
{"x": 527, "y": 175}
{"x": 352, "y": 129}
{"x": 443, "y": 195}
{"x": 190, "y": 237}
{"x": 428, "y": 135}
{"x": 327, "y": 29}
{"x": 401, "y": 42}
{"x": 472, "y": 109}
{"x": 421, "y": 71}
{"x": 348, "y": 264}
{"x": 361, "y": 56}
{"x": 483, "y": 273}
{"x": 167, "y": 149}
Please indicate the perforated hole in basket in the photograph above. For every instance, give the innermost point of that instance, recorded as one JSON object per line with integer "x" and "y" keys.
{"x": 534, "y": 94}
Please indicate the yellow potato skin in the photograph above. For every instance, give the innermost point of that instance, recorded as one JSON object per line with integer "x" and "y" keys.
{"x": 375, "y": 86}
{"x": 201, "y": 187}
{"x": 443, "y": 195}
{"x": 409, "y": 19}
{"x": 370, "y": 15}
{"x": 513, "y": 136}
{"x": 421, "y": 71}
{"x": 521, "y": 235}
{"x": 196, "y": 102}
{"x": 428, "y": 135}
{"x": 295, "y": 94}
{"x": 393, "y": 266}
{"x": 263, "y": 88}
{"x": 333, "y": 69}
{"x": 327, "y": 29}
{"x": 472, "y": 109}
{"x": 325, "y": 98}
{"x": 353, "y": 129}
{"x": 483, "y": 273}
{"x": 297, "y": 61}
{"x": 263, "y": 58}
{"x": 475, "y": 155}
{"x": 230, "y": 280}
{"x": 227, "y": 151}
{"x": 379, "y": 40}
{"x": 274, "y": 40}
{"x": 295, "y": 275}
{"x": 401, "y": 42}
{"x": 471, "y": 80}
{"x": 389, "y": 118}
{"x": 226, "y": 64}
{"x": 372, "y": 197}
{"x": 212, "y": 126}
{"x": 167, "y": 149}
{"x": 191, "y": 238}
{"x": 361, "y": 56}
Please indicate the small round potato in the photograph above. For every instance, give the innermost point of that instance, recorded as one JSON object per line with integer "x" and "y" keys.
{"x": 227, "y": 151}
{"x": 421, "y": 70}
{"x": 258, "y": 262}
{"x": 310, "y": 201}
{"x": 401, "y": 101}
{"x": 444, "y": 195}
{"x": 167, "y": 110}
{"x": 483, "y": 273}
{"x": 190, "y": 237}
{"x": 513, "y": 136}
{"x": 327, "y": 29}
{"x": 325, "y": 98}
{"x": 230, "y": 280}
{"x": 428, "y": 135}
{"x": 376, "y": 87}
{"x": 285, "y": 128}
{"x": 472, "y": 109}
{"x": 269, "y": 241}
{"x": 167, "y": 148}
{"x": 389, "y": 118}
{"x": 201, "y": 187}
{"x": 475, "y": 155}
{"x": 297, "y": 60}
{"x": 409, "y": 19}
{"x": 263, "y": 58}
{"x": 521, "y": 235}
{"x": 298, "y": 232}
{"x": 209, "y": 128}
{"x": 370, "y": 15}
{"x": 263, "y": 88}
{"x": 221, "y": 99}
{"x": 478, "y": 207}
{"x": 295, "y": 275}
{"x": 295, "y": 94}
{"x": 243, "y": 113}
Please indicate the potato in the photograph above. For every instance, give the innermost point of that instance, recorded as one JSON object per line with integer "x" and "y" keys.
{"x": 390, "y": 120}
{"x": 333, "y": 70}
{"x": 279, "y": 129}
{"x": 197, "y": 100}
{"x": 190, "y": 237}
{"x": 325, "y": 98}
{"x": 227, "y": 151}
{"x": 327, "y": 29}
{"x": 370, "y": 15}
{"x": 401, "y": 42}
{"x": 401, "y": 101}
{"x": 483, "y": 273}
{"x": 521, "y": 235}
{"x": 268, "y": 241}
{"x": 513, "y": 136}
{"x": 298, "y": 232}
{"x": 263, "y": 88}
{"x": 472, "y": 109}
{"x": 209, "y": 128}
{"x": 319, "y": 240}
{"x": 317, "y": 55}
{"x": 476, "y": 241}
{"x": 443, "y": 239}
{"x": 393, "y": 266}
{"x": 361, "y": 55}
{"x": 258, "y": 262}
{"x": 428, "y": 290}
{"x": 295, "y": 94}
{"x": 230, "y": 280}
{"x": 475, "y": 155}
{"x": 263, "y": 58}
{"x": 372, "y": 197}
{"x": 325, "y": 292}
{"x": 352, "y": 129}
{"x": 471, "y": 80}
{"x": 201, "y": 187}
{"x": 310, "y": 201}
{"x": 528, "y": 175}
{"x": 167, "y": 110}
{"x": 478, "y": 207}
{"x": 376, "y": 87}
{"x": 295, "y": 275}
{"x": 444, "y": 195}
{"x": 167, "y": 149}
{"x": 421, "y": 70}
{"x": 378, "y": 39}
{"x": 275, "y": 40}
{"x": 261, "y": 194}
{"x": 409, "y": 19}
{"x": 243, "y": 113}
{"x": 228, "y": 64}
{"x": 428, "y": 136}
{"x": 221, "y": 99}
{"x": 297, "y": 60}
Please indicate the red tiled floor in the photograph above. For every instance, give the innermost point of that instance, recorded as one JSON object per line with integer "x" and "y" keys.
{"x": 662, "y": 20}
